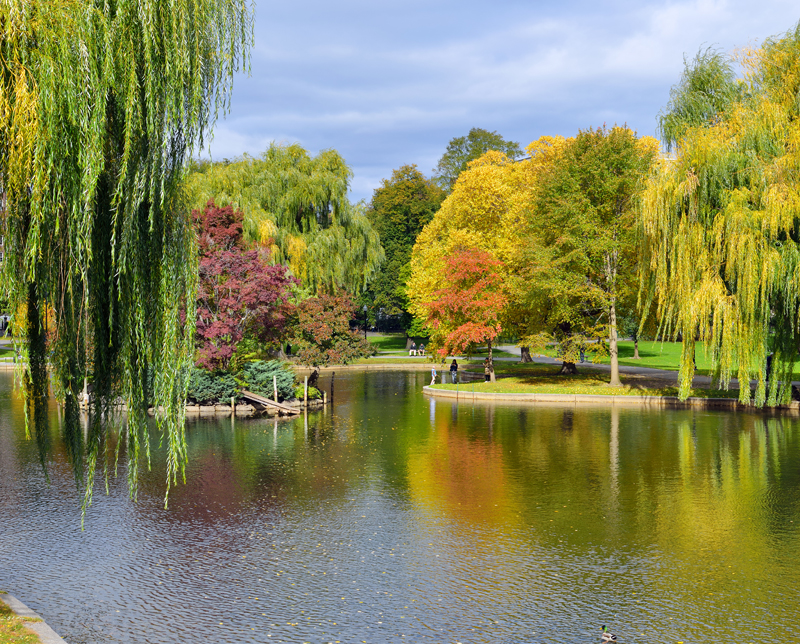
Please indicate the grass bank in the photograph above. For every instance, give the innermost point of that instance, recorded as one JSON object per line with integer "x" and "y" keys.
{"x": 516, "y": 378}
{"x": 13, "y": 630}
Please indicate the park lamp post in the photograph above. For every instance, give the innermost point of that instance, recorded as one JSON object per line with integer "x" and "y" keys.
{"x": 365, "y": 321}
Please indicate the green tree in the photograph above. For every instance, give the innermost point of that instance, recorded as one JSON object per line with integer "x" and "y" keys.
{"x": 298, "y": 204}
{"x": 720, "y": 221}
{"x": 463, "y": 149}
{"x": 399, "y": 210}
{"x": 98, "y": 105}
{"x": 584, "y": 212}
{"x": 705, "y": 93}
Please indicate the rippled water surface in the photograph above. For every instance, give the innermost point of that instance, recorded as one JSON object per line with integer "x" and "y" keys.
{"x": 394, "y": 518}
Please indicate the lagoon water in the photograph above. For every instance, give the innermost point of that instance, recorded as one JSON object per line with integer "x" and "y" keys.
{"x": 395, "y": 518}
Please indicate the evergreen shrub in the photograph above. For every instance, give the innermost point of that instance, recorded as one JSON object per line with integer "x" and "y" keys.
{"x": 257, "y": 376}
{"x": 208, "y": 388}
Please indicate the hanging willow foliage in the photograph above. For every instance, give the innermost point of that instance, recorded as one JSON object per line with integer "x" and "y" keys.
{"x": 99, "y": 102}
{"x": 721, "y": 222}
{"x": 298, "y": 203}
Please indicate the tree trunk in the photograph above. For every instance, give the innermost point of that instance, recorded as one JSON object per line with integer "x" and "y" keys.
{"x": 613, "y": 350}
{"x": 491, "y": 365}
{"x": 568, "y": 368}
{"x": 525, "y": 354}
{"x": 636, "y": 347}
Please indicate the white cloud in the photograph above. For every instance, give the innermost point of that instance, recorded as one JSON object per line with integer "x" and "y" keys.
{"x": 386, "y": 86}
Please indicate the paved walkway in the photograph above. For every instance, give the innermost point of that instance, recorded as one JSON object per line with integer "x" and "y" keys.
{"x": 646, "y": 372}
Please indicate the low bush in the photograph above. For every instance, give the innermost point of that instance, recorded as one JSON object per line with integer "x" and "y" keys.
{"x": 313, "y": 393}
{"x": 206, "y": 387}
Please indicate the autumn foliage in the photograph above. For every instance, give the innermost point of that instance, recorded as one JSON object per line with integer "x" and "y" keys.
{"x": 321, "y": 332}
{"x": 467, "y": 309}
{"x": 239, "y": 293}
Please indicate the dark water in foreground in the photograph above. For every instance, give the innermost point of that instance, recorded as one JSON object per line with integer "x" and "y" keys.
{"x": 393, "y": 518}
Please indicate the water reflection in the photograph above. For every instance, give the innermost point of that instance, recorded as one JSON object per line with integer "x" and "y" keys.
{"x": 392, "y": 517}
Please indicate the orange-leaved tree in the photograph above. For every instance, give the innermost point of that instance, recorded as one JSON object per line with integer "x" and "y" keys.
{"x": 467, "y": 309}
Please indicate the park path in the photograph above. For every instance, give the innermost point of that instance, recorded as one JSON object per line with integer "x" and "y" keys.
{"x": 666, "y": 375}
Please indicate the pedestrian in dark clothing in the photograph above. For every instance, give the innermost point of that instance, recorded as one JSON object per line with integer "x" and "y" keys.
{"x": 487, "y": 374}
{"x": 453, "y": 371}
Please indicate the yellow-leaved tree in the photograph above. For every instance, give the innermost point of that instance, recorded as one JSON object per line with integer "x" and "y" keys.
{"x": 720, "y": 220}
{"x": 475, "y": 217}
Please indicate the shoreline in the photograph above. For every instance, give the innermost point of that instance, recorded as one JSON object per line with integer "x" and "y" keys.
{"x": 673, "y": 402}
{"x": 31, "y": 620}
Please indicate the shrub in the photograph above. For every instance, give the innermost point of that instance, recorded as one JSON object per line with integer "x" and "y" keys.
{"x": 313, "y": 393}
{"x": 257, "y": 377}
{"x": 206, "y": 387}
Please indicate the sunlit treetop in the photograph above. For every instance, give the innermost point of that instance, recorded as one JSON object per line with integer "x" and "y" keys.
{"x": 298, "y": 204}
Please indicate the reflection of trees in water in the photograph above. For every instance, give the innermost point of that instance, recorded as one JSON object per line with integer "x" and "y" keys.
{"x": 567, "y": 420}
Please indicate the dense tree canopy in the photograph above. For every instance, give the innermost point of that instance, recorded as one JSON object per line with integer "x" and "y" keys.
{"x": 481, "y": 214}
{"x": 399, "y": 210}
{"x": 467, "y": 308}
{"x": 240, "y": 295}
{"x": 463, "y": 149}
{"x": 721, "y": 224}
{"x": 299, "y": 202}
{"x": 583, "y": 217}
{"x": 321, "y": 333}
{"x": 561, "y": 226}
{"x": 99, "y": 102}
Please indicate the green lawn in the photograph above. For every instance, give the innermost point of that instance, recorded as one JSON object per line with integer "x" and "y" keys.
{"x": 395, "y": 343}
{"x": 661, "y": 355}
{"x": 516, "y": 378}
{"x": 388, "y": 341}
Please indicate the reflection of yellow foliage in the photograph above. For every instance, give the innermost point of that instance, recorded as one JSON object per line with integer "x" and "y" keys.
{"x": 463, "y": 477}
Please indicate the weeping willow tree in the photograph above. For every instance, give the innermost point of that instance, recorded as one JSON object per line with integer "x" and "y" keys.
{"x": 99, "y": 102}
{"x": 721, "y": 220}
{"x": 299, "y": 204}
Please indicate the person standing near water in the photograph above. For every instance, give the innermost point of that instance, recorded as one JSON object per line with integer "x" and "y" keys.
{"x": 453, "y": 371}
{"x": 433, "y": 376}
{"x": 486, "y": 370}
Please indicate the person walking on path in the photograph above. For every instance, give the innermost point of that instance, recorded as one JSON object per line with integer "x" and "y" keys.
{"x": 453, "y": 371}
{"x": 433, "y": 376}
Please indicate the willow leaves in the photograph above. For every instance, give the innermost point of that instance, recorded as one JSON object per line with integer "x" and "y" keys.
{"x": 99, "y": 103}
{"x": 720, "y": 220}
{"x": 299, "y": 204}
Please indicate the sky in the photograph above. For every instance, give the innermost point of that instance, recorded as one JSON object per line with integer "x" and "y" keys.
{"x": 391, "y": 83}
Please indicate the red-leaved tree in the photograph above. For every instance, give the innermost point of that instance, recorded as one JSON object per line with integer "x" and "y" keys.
{"x": 322, "y": 335}
{"x": 468, "y": 309}
{"x": 239, "y": 293}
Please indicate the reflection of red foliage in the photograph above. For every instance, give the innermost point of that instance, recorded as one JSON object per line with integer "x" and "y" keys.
{"x": 239, "y": 294}
{"x": 468, "y": 308}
